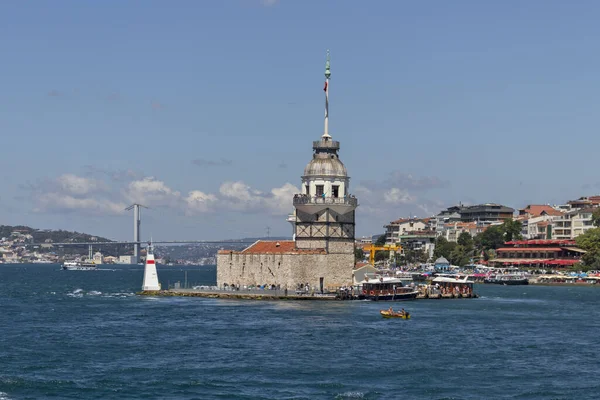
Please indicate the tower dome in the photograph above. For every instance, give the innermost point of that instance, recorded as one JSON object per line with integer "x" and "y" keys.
{"x": 325, "y": 162}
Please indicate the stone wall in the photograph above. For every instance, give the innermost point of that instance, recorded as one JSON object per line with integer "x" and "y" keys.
{"x": 285, "y": 269}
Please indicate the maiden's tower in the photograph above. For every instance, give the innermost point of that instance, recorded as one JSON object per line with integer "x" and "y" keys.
{"x": 322, "y": 252}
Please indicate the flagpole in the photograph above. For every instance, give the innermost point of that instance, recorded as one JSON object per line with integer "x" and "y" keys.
{"x": 326, "y": 135}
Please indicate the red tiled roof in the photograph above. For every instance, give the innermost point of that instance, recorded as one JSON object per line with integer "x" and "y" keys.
{"x": 529, "y": 249}
{"x": 536, "y": 210}
{"x": 526, "y": 261}
{"x": 274, "y": 247}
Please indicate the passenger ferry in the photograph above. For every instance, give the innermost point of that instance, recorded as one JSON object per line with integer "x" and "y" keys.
{"x": 387, "y": 289}
{"x": 507, "y": 279}
{"x": 79, "y": 266}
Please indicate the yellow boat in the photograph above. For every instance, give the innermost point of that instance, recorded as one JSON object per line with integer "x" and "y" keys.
{"x": 388, "y": 314}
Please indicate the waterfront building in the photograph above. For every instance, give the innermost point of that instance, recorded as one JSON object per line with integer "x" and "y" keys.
{"x": 453, "y": 230}
{"x": 538, "y": 220}
{"x": 423, "y": 241}
{"x": 584, "y": 202}
{"x": 321, "y": 254}
{"x": 365, "y": 240}
{"x": 127, "y": 260}
{"x": 451, "y": 214}
{"x": 546, "y": 253}
{"x": 483, "y": 215}
{"x": 486, "y": 214}
{"x": 540, "y": 210}
{"x": 573, "y": 223}
{"x": 442, "y": 265}
{"x": 395, "y": 229}
{"x": 98, "y": 258}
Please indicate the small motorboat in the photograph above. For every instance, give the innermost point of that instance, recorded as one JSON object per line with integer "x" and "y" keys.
{"x": 394, "y": 314}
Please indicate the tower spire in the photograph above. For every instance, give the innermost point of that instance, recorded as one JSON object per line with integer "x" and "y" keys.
{"x": 326, "y": 135}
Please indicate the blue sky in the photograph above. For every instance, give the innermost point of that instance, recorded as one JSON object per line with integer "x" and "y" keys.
{"x": 206, "y": 110}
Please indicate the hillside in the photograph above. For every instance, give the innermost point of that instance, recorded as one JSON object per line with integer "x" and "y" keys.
{"x": 10, "y": 233}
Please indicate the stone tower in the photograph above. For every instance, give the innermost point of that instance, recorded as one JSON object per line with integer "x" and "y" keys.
{"x": 325, "y": 211}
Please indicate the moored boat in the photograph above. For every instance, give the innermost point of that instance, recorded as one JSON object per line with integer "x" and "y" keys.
{"x": 507, "y": 279}
{"x": 387, "y": 289}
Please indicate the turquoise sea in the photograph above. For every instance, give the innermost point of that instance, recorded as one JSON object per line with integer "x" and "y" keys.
{"x": 86, "y": 335}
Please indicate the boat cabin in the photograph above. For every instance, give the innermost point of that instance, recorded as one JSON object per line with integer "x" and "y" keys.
{"x": 387, "y": 288}
{"x": 447, "y": 286}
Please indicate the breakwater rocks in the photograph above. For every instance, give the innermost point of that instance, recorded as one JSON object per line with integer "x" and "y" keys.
{"x": 241, "y": 295}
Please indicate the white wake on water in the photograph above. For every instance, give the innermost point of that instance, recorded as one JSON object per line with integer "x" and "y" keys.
{"x": 350, "y": 395}
{"x": 79, "y": 293}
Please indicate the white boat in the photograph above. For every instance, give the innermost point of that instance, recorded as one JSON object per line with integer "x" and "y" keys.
{"x": 79, "y": 266}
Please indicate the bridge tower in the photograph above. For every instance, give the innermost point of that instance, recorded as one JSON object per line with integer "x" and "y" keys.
{"x": 137, "y": 219}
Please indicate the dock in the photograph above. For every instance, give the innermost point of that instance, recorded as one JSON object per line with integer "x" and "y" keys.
{"x": 238, "y": 295}
{"x": 274, "y": 295}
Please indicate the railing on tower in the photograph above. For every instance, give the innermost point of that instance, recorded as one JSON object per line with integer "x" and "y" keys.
{"x": 329, "y": 144}
{"x": 302, "y": 199}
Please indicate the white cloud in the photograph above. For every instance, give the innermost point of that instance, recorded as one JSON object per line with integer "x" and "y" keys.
{"x": 238, "y": 196}
{"x": 280, "y": 201}
{"x": 66, "y": 202}
{"x": 151, "y": 192}
{"x": 70, "y": 192}
{"x": 396, "y": 196}
{"x": 200, "y": 202}
{"x": 77, "y": 185}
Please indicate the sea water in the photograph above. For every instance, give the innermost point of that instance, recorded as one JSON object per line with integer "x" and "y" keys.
{"x": 86, "y": 335}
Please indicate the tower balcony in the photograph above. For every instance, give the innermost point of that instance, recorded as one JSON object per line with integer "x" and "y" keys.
{"x": 329, "y": 144}
{"x": 310, "y": 204}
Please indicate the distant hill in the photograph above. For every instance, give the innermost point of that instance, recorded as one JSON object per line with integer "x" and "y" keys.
{"x": 61, "y": 236}
{"x": 194, "y": 252}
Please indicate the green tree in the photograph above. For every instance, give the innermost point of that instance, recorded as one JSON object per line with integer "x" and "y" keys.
{"x": 381, "y": 255}
{"x": 359, "y": 254}
{"x": 590, "y": 242}
{"x": 380, "y": 240}
{"x": 443, "y": 248}
{"x": 465, "y": 239}
{"x": 596, "y": 217}
{"x": 459, "y": 256}
{"x": 413, "y": 256}
{"x": 512, "y": 229}
{"x": 491, "y": 238}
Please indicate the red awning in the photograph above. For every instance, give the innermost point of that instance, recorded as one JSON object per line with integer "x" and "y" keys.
{"x": 545, "y": 242}
{"x": 529, "y": 249}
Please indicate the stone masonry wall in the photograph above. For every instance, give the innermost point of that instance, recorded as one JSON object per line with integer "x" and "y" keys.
{"x": 285, "y": 269}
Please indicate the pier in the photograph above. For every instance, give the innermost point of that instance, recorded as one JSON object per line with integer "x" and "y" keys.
{"x": 280, "y": 295}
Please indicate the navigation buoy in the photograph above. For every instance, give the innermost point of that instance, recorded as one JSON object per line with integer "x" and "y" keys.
{"x": 150, "y": 276}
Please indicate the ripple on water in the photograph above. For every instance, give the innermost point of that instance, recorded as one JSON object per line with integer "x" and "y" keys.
{"x": 88, "y": 336}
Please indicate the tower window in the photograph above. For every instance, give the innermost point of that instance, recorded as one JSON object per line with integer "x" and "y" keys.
{"x": 319, "y": 190}
{"x": 307, "y": 190}
{"x": 335, "y": 191}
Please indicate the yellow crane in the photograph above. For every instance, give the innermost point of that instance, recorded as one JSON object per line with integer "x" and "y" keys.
{"x": 386, "y": 247}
